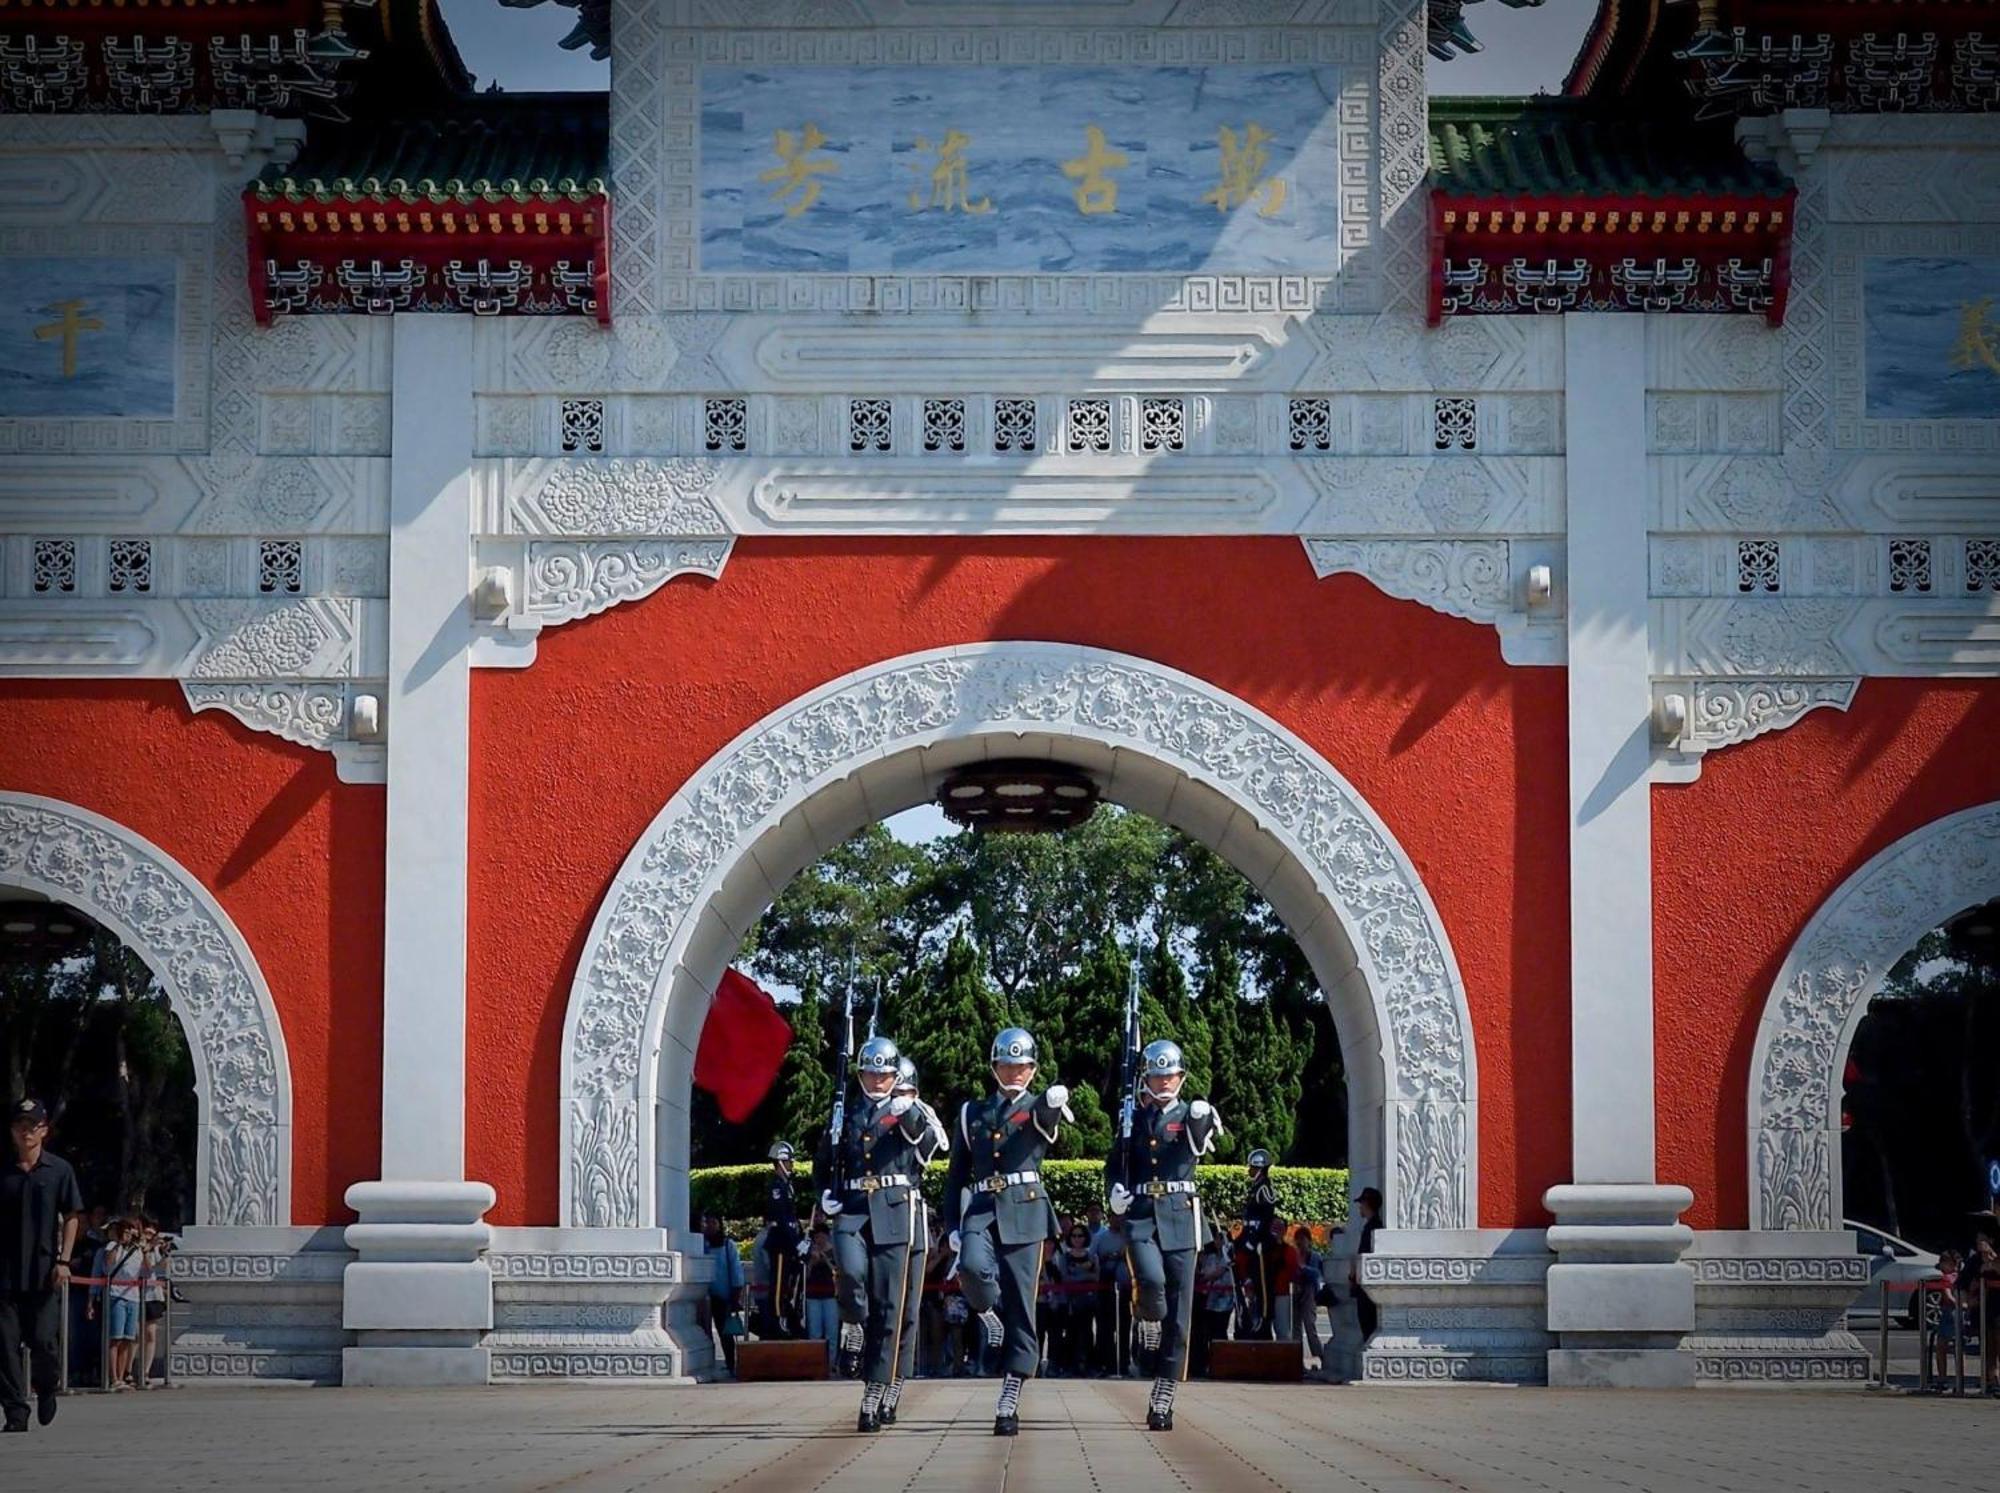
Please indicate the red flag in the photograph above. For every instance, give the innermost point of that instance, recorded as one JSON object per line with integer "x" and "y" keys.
{"x": 742, "y": 1046}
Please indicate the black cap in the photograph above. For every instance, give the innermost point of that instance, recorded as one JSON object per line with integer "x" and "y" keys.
{"x": 28, "y": 1109}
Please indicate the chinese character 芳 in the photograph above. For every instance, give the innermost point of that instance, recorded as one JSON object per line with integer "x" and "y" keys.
{"x": 1095, "y": 192}
{"x": 1243, "y": 165}
{"x": 949, "y": 185}
{"x": 72, "y": 321}
{"x": 1978, "y": 336}
{"x": 797, "y": 168}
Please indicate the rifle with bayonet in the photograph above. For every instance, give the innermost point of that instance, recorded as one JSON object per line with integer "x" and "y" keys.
{"x": 1129, "y": 1077}
{"x": 836, "y": 1130}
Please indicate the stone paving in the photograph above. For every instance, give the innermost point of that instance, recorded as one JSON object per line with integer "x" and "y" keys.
{"x": 1076, "y": 1435}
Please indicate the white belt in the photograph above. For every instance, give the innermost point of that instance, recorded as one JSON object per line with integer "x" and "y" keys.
{"x": 1005, "y": 1180}
{"x": 1162, "y": 1189}
{"x": 876, "y": 1184}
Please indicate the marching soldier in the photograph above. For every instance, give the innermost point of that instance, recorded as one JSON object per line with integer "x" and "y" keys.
{"x": 782, "y": 1242}
{"x": 931, "y": 1145}
{"x": 1152, "y": 1188}
{"x": 997, "y": 1211}
{"x": 1260, "y": 1210}
{"x": 877, "y": 1212}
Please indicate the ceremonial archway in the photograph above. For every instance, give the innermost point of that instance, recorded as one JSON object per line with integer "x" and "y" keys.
{"x": 243, "y": 1091}
{"x": 1822, "y": 992}
{"x": 869, "y": 745}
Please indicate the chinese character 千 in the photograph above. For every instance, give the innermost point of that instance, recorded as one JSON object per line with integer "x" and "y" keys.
{"x": 72, "y": 323}
{"x": 1243, "y": 165}
{"x": 797, "y": 168}
{"x": 950, "y": 187}
{"x": 1095, "y": 191}
{"x": 1978, "y": 336}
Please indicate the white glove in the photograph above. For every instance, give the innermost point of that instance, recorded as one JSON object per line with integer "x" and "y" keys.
{"x": 829, "y": 1204}
{"x": 900, "y": 1105}
{"x": 1201, "y": 1109}
{"x": 1121, "y": 1198}
{"x": 805, "y": 1248}
{"x": 1057, "y": 1096}
{"x": 953, "y": 1241}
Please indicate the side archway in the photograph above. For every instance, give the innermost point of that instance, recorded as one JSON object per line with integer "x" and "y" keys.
{"x": 870, "y": 744}
{"x": 1823, "y": 989}
{"x": 243, "y": 1158}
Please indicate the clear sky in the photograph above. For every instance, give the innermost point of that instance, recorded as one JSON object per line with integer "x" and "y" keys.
{"x": 1526, "y": 50}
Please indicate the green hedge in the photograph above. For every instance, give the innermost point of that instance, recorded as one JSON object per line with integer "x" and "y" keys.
{"x": 1306, "y": 1194}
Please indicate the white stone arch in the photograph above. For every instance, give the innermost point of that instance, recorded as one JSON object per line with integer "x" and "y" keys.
{"x": 1834, "y": 969}
{"x": 870, "y": 744}
{"x": 242, "y": 1079}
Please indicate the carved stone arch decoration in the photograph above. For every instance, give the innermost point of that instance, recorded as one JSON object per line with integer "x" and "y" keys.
{"x": 1823, "y": 989}
{"x": 243, "y": 1091}
{"x": 868, "y": 745}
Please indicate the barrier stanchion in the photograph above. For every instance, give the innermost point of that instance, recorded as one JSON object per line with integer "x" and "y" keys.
{"x": 1985, "y": 1340}
{"x": 167, "y": 1333}
{"x": 104, "y": 1338}
{"x": 1882, "y": 1372}
{"x": 1924, "y": 1337}
{"x": 1958, "y": 1336}
{"x": 62, "y": 1344}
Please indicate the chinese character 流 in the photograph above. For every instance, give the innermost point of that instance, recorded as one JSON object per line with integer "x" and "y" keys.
{"x": 950, "y": 187}
{"x": 1978, "y": 336}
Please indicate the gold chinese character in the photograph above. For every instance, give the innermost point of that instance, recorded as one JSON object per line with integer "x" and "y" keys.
{"x": 950, "y": 187}
{"x": 1095, "y": 192}
{"x": 1243, "y": 166}
{"x": 797, "y": 167}
{"x": 72, "y": 324}
{"x": 1978, "y": 336}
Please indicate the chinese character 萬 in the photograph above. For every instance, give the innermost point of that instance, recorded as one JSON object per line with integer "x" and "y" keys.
{"x": 950, "y": 188}
{"x": 1095, "y": 192}
{"x": 1243, "y": 165}
{"x": 797, "y": 167}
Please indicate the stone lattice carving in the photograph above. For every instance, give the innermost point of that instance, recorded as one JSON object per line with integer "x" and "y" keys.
{"x": 618, "y": 1001}
{"x": 155, "y": 905}
{"x": 1822, "y": 992}
{"x": 639, "y": 495}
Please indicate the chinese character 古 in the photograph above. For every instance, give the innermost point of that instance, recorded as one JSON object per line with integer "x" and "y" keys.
{"x": 797, "y": 167}
{"x": 72, "y": 323}
{"x": 1095, "y": 191}
{"x": 1243, "y": 165}
{"x": 950, "y": 189}
{"x": 1978, "y": 336}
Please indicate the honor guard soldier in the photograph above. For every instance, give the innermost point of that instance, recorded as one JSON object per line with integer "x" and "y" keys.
{"x": 1152, "y": 1188}
{"x": 1260, "y": 1212}
{"x": 997, "y": 1211}
{"x": 931, "y": 1146}
{"x": 877, "y": 1210}
{"x": 783, "y": 1244}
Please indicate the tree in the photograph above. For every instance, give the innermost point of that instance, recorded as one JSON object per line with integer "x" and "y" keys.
{"x": 961, "y": 1013}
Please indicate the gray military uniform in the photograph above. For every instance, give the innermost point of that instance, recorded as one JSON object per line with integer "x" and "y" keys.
{"x": 878, "y": 1273}
{"x": 1003, "y": 1223}
{"x": 1163, "y": 1225}
{"x": 927, "y": 1148}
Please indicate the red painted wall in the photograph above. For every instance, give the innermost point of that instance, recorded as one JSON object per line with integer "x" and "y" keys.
{"x": 1461, "y": 755}
{"x": 293, "y": 855}
{"x": 1747, "y": 853}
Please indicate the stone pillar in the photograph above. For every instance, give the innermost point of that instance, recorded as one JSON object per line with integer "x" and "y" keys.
{"x": 420, "y": 1294}
{"x": 1618, "y": 1298}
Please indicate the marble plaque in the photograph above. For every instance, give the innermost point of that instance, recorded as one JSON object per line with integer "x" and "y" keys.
{"x": 87, "y": 336}
{"x": 1931, "y": 334}
{"x": 1081, "y": 169}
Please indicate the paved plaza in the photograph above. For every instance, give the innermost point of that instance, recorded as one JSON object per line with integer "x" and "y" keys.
{"x": 1081, "y": 1435}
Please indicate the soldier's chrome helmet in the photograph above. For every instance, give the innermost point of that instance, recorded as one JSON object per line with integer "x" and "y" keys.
{"x": 877, "y": 1055}
{"x": 906, "y": 1076}
{"x": 1260, "y": 1160}
{"x": 1160, "y": 1059}
{"x": 1015, "y": 1045}
{"x": 781, "y": 1150}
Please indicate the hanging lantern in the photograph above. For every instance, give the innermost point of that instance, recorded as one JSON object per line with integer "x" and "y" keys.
{"x": 1031, "y": 796}
{"x": 41, "y": 932}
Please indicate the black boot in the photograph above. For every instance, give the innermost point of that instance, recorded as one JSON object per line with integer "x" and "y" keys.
{"x": 887, "y": 1415}
{"x": 869, "y": 1420}
{"x": 1006, "y": 1425}
{"x": 1159, "y": 1420}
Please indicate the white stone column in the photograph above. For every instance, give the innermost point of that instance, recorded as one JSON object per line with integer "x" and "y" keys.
{"x": 421, "y": 1296}
{"x": 1618, "y": 1298}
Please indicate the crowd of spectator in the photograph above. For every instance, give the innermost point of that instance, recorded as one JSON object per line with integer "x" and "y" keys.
{"x": 124, "y": 1261}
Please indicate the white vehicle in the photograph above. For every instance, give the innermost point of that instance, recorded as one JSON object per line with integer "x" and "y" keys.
{"x": 1898, "y": 1262}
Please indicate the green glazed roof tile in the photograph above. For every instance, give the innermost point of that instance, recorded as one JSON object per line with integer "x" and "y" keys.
{"x": 1512, "y": 147}
{"x": 490, "y": 147}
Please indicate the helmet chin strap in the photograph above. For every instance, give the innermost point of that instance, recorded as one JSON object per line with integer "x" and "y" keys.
{"x": 1013, "y": 1090}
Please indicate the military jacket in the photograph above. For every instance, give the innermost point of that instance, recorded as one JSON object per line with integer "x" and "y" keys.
{"x": 876, "y": 1143}
{"x": 1260, "y": 1210}
{"x": 996, "y": 1137}
{"x": 781, "y": 1208}
{"x": 1166, "y": 1143}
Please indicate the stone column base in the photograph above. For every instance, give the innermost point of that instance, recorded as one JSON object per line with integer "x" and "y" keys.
{"x": 599, "y": 1304}
{"x": 1619, "y": 1299}
{"x": 263, "y": 1303}
{"x": 420, "y": 1295}
{"x": 1456, "y": 1304}
{"x": 1770, "y": 1307}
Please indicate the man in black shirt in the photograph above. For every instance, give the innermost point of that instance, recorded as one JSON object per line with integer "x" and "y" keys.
{"x": 39, "y": 1205}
